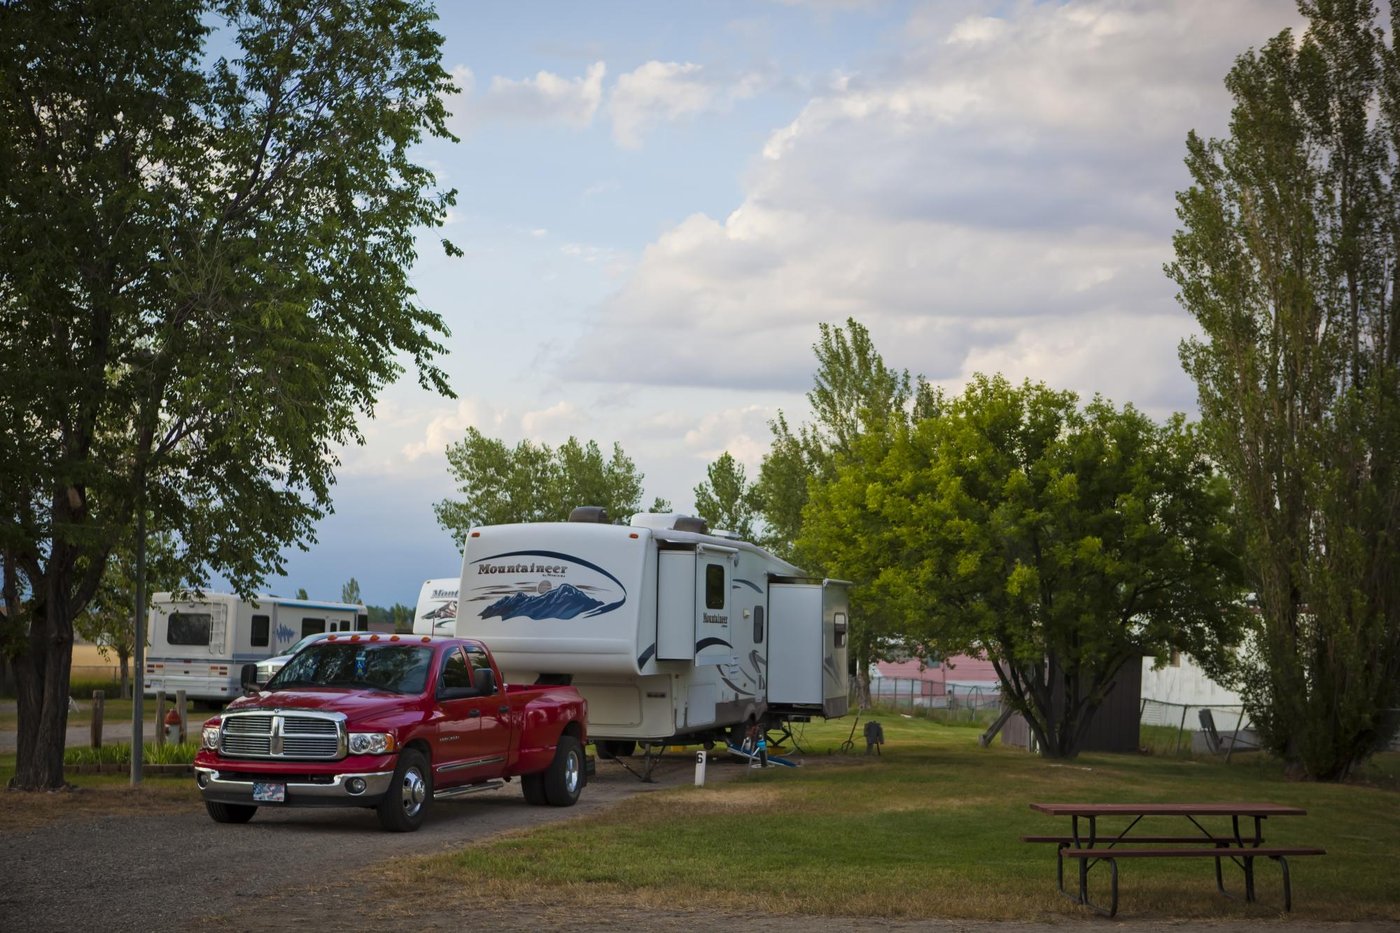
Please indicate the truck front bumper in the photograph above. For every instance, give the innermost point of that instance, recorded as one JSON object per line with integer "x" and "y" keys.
{"x": 352, "y": 789}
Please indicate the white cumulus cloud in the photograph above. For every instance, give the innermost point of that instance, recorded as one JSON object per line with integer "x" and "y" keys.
{"x": 544, "y": 98}
{"x": 999, "y": 197}
{"x": 660, "y": 92}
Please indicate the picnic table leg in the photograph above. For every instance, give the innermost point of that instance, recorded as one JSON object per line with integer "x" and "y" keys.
{"x": 1287, "y": 888}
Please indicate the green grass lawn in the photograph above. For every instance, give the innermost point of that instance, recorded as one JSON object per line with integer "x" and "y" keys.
{"x": 931, "y": 829}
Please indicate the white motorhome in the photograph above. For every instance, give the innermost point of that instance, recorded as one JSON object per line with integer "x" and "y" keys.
{"x": 200, "y": 644}
{"x": 671, "y": 633}
{"x": 436, "y": 613}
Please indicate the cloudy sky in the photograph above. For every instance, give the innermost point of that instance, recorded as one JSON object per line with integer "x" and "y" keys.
{"x": 659, "y": 203}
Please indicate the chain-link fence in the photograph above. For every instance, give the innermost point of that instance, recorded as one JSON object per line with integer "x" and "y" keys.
{"x": 1195, "y": 729}
{"x": 935, "y": 698}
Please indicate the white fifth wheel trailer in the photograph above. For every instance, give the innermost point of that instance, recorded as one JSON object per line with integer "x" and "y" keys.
{"x": 200, "y": 644}
{"x": 672, "y": 634}
{"x": 436, "y": 612}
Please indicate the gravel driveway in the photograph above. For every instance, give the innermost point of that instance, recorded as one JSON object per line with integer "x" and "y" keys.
{"x": 166, "y": 866}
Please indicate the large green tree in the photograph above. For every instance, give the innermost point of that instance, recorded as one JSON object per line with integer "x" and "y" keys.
{"x": 533, "y": 482}
{"x": 1061, "y": 542}
{"x": 1287, "y": 258}
{"x": 209, "y": 213}
{"x": 726, "y": 499}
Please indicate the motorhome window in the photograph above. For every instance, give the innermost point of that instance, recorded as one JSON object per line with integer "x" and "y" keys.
{"x": 262, "y": 629}
{"x": 455, "y": 671}
{"x": 840, "y": 625}
{"x": 714, "y": 586}
{"x": 188, "y": 628}
{"x": 312, "y": 627}
{"x": 758, "y": 625}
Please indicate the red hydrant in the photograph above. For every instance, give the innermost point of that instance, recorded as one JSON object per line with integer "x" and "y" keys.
{"x": 172, "y": 727}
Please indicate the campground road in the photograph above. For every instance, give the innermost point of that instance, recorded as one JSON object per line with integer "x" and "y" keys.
{"x": 168, "y": 866}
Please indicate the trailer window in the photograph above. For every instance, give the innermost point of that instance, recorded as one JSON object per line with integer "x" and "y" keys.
{"x": 312, "y": 627}
{"x": 262, "y": 628}
{"x": 758, "y": 625}
{"x": 714, "y": 586}
{"x": 188, "y": 628}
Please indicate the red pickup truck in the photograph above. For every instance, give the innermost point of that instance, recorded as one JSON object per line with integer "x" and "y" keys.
{"x": 390, "y": 722}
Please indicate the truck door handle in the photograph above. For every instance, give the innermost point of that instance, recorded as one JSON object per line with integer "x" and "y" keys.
{"x": 503, "y": 709}
{"x": 474, "y": 714}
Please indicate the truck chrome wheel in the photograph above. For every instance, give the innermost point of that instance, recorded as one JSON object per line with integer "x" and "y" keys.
{"x": 402, "y": 810}
{"x": 414, "y": 793}
{"x": 572, "y": 771}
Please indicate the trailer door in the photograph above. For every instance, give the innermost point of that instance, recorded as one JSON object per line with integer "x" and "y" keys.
{"x": 713, "y": 642}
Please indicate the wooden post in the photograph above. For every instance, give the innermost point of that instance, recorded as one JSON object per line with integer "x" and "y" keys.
{"x": 181, "y": 705}
{"x": 98, "y": 699}
{"x": 160, "y": 717}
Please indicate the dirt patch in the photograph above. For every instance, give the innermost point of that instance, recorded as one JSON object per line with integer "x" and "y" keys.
{"x": 23, "y": 810}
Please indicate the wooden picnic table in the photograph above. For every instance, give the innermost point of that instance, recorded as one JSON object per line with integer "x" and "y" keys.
{"x": 1089, "y": 844}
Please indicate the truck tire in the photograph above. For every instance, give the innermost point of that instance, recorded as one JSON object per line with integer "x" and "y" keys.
{"x": 402, "y": 810}
{"x": 533, "y": 786}
{"x": 563, "y": 779}
{"x": 229, "y": 812}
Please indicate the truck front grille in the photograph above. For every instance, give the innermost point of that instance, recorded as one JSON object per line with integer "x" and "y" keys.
{"x": 302, "y": 735}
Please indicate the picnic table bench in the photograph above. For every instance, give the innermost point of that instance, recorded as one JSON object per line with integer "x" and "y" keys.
{"x": 1240, "y": 845}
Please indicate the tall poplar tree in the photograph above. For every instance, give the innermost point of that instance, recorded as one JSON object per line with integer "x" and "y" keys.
{"x": 1288, "y": 258}
{"x": 726, "y": 499}
{"x": 854, "y": 395}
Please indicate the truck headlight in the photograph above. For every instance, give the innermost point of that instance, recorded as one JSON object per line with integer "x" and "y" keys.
{"x": 211, "y": 738}
{"x": 371, "y": 743}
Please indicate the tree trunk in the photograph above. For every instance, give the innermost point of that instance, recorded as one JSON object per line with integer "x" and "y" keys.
{"x": 42, "y": 679}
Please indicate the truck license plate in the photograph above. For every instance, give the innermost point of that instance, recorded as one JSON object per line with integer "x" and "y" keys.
{"x": 269, "y": 793}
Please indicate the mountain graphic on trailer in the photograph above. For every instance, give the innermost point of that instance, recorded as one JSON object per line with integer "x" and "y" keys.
{"x": 566, "y": 602}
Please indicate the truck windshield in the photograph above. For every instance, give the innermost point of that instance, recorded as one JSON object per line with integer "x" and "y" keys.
{"x": 393, "y": 668}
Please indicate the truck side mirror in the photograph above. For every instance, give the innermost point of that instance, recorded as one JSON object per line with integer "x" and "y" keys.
{"x": 248, "y": 677}
{"x": 484, "y": 679}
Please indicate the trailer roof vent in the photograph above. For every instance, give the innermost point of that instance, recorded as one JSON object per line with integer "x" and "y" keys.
{"x": 670, "y": 521}
{"x": 594, "y": 514}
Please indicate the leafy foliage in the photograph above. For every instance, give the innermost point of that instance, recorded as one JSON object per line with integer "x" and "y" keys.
{"x": 534, "y": 483}
{"x": 855, "y": 397}
{"x": 1061, "y": 543}
{"x": 853, "y": 392}
{"x": 203, "y": 284}
{"x": 350, "y": 591}
{"x": 1287, "y": 254}
{"x": 726, "y": 500}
